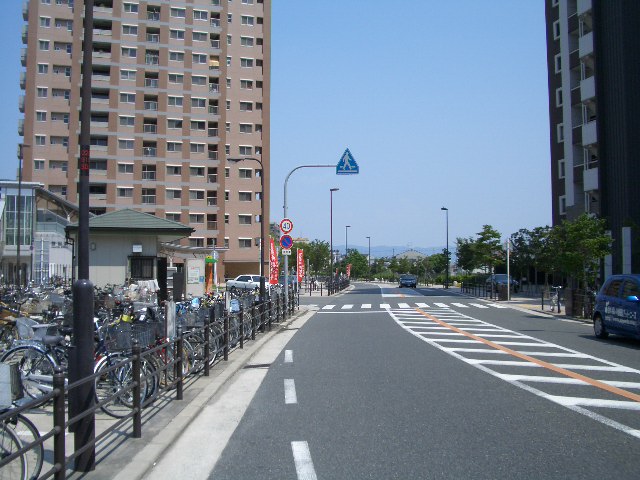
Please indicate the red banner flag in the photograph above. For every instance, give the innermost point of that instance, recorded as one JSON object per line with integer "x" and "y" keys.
{"x": 300, "y": 265}
{"x": 273, "y": 265}
{"x": 349, "y": 271}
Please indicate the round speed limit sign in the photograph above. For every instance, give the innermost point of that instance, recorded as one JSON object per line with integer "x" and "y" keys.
{"x": 286, "y": 225}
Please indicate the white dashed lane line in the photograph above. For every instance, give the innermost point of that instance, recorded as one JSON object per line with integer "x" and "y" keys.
{"x": 303, "y": 462}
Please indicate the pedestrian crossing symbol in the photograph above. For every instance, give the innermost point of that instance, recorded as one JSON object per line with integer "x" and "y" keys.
{"x": 347, "y": 164}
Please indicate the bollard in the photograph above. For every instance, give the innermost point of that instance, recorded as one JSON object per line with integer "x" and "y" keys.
{"x": 270, "y": 314}
{"x": 542, "y": 299}
{"x": 226, "y": 337}
{"x": 207, "y": 339}
{"x": 179, "y": 362}
{"x": 59, "y": 452}
{"x": 320, "y": 289}
{"x": 137, "y": 390}
{"x": 241, "y": 318}
{"x": 254, "y": 312}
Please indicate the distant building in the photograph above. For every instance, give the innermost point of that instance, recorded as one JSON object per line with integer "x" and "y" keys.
{"x": 412, "y": 255}
{"x": 593, "y": 59}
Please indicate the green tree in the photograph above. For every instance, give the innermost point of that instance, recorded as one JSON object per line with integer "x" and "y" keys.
{"x": 359, "y": 263}
{"x": 466, "y": 254}
{"x": 579, "y": 246}
{"x": 488, "y": 248}
{"x": 438, "y": 262}
{"x": 317, "y": 253}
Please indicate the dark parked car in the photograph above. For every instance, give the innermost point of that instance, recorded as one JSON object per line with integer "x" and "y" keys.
{"x": 617, "y": 308}
{"x": 408, "y": 281}
{"x": 497, "y": 280}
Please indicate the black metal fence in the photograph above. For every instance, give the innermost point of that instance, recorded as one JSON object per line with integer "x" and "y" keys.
{"x": 168, "y": 367}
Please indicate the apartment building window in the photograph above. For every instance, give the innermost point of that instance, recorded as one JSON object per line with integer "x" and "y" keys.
{"x": 247, "y": 41}
{"x": 60, "y": 117}
{"x": 247, "y": 2}
{"x": 142, "y": 268}
{"x": 229, "y": 18}
{"x": 64, "y": 23}
{"x": 127, "y": 74}
{"x": 176, "y": 34}
{"x": 41, "y": 140}
{"x": 174, "y": 146}
{"x": 43, "y": 45}
{"x": 174, "y": 169}
{"x": 562, "y": 205}
{"x": 176, "y": 56}
{"x": 245, "y": 173}
{"x": 129, "y": 29}
{"x": 200, "y": 15}
{"x": 556, "y": 29}
{"x": 125, "y": 143}
{"x": 124, "y": 192}
{"x": 244, "y": 219}
{"x": 560, "y": 132}
{"x": 130, "y": 52}
{"x": 228, "y": 61}
{"x": 245, "y": 196}
{"x": 174, "y": 101}
{"x": 246, "y": 62}
{"x": 227, "y": 172}
{"x": 226, "y": 219}
{"x": 45, "y": 2}
{"x": 148, "y": 172}
{"x": 227, "y": 149}
{"x": 58, "y": 165}
{"x": 200, "y": 58}
{"x": 258, "y": 151}
{"x": 198, "y": 102}
{"x": 174, "y": 123}
{"x": 126, "y": 121}
{"x": 197, "y": 242}
{"x": 199, "y": 36}
{"x": 258, "y": 105}
{"x": 246, "y": 128}
{"x": 557, "y": 60}
{"x": 228, "y": 82}
{"x": 62, "y": 70}
{"x": 245, "y": 150}
{"x": 176, "y": 78}
{"x": 561, "y": 169}
{"x": 45, "y": 22}
{"x": 258, "y": 128}
{"x": 244, "y": 242}
{"x": 198, "y": 80}
{"x": 125, "y": 167}
{"x": 178, "y": 13}
{"x": 196, "y": 194}
{"x": 196, "y": 171}
{"x": 196, "y": 147}
{"x": 558, "y": 97}
{"x": 229, "y": 38}
{"x": 246, "y": 84}
{"x": 41, "y": 116}
{"x": 246, "y": 106}
{"x": 43, "y": 68}
{"x": 173, "y": 216}
{"x": 149, "y": 195}
{"x": 64, "y": 141}
{"x": 226, "y": 195}
{"x": 174, "y": 193}
{"x": 130, "y": 8}
{"x": 247, "y": 20}
{"x": 198, "y": 125}
{"x": 38, "y": 164}
{"x": 42, "y": 92}
{"x": 227, "y": 127}
{"x": 196, "y": 218}
{"x": 228, "y": 104}
{"x": 127, "y": 98}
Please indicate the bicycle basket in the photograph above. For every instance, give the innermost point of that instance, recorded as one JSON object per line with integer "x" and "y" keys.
{"x": 118, "y": 337}
{"x": 145, "y": 333}
{"x": 24, "y": 326}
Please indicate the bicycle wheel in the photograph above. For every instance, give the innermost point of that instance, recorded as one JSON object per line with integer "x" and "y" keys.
{"x": 28, "y": 433}
{"x": 114, "y": 380}
{"x": 36, "y": 368}
{"x": 16, "y": 469}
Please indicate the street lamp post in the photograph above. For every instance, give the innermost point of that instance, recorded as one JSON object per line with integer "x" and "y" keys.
{"x": 19, "y": 215}
{"x": 446, "y": 282}
{"x": 369, "y": 259}
{"x": 262, "y": 285}
{"x": 346, "y": 241}
{"x": 331, "y": 190}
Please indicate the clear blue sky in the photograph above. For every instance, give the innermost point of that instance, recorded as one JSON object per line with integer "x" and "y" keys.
{"x": 441, "y": 104}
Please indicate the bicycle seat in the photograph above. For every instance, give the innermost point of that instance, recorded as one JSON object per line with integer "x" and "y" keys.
{"x": 53, "y": 340}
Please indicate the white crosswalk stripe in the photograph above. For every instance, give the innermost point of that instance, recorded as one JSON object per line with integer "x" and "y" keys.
{"x": 442, "y": 309}
{"x": 347, "y": 307}
{"x": 328, "y": 307}
{"x": 366, "y": 305}
{"x": 403, "y": 305}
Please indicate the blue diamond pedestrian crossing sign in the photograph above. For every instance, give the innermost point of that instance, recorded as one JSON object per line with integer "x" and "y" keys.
{"x": 347, "y": 164}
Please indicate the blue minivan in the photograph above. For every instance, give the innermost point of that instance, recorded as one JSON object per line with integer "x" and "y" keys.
{"x": 617, "y": 308}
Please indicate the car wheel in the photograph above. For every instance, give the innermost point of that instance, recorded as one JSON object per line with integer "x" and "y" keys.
{"x": 598, "y": 327}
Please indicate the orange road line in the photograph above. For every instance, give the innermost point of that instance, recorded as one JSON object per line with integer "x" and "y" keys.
{"x": 548, "y": 366}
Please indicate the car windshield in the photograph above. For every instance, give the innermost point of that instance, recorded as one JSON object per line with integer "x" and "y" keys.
{"x": 500, "y": 277}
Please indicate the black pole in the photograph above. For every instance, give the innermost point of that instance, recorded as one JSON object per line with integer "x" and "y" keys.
{"x": 81, "y": 358}
{"x": 19, "y": 219}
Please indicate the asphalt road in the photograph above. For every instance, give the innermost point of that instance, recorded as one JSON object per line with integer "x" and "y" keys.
{"x": 402, "y": 384}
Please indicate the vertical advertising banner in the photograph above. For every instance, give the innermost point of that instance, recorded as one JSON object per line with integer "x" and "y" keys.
{"x": 349, "y": 271}
{"x": 273, "y": 265}
{"x": 300, "y": 267}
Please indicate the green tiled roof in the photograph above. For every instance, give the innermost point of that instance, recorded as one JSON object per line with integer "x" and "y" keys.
{"x": 128, "y": 219}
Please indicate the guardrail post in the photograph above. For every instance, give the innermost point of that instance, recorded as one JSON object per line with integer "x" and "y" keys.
{"x": 59, "y": 452}
{"x": 207, "y": 339}
{"x": 179, "y": 363}
{"x": 254, "y": 312}
{"x": 241, "y": 317}
{"x": 226, "y": 337}
{"x": 542, "y": 299}
{"x": 137, "y": 390}
{"x": 270, "y": 310}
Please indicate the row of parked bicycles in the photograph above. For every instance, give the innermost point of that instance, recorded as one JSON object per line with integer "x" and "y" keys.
{"x": 168, "y": 341}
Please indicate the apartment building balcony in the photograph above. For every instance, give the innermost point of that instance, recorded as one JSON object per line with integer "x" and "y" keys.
{"x": 215, "y": 22}
{"x": 25, "y": 10}
{"x": 106, "y": 9}
{"x": 151, "y": 82}
{"x": 589, "y": 133}
{"x": 149, "y": 199}
{"x": 151, "y": 106}
{"x": 25, "y": 33}
{"x": 23, "y": 80}
{"x": 215, "y": 43}
{"x": 212, "y": 178}
{"x": 590, "y": 179}
{"x": 99, "y": 148}
{"x": 153, "y": 16}
{"x": 213, "y": 110}
{"x": 584, "y": 6}
{"x": 99, "y": 123}
{"x": 101, "y": 54}
{"x": 150, "y": 151}
{"x": 99, "y": 100}
{"x": 152, "y": 59}
{"x": 21, "y": 103}
{"x": 214, "y": 88}
{"x": 586, "y": 45}
{"x": 23, "y": 57}
{"x": 213, "y": 155}
{"x": 587, "y": 89}
{"x": 102, "y": 32}
{"x": 215, "y": 3}
{"x": 21, "y": 127}
{"x": 150, "y": 128}
{"x": 212, "y": 132}
{"x": 100, "y": 77}
{"x": 153, "y": 37}
{"x": 212, "y": 201}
